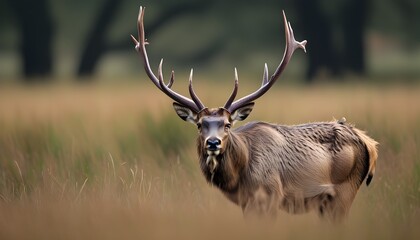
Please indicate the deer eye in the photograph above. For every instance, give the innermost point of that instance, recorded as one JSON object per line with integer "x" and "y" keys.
{"x": 227, "y": 126}
{"x": 199, "y": 126}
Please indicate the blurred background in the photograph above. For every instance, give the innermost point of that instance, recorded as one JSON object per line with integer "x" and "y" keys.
{"x": 44, "y": 40}
{"x": 111, "y": 160}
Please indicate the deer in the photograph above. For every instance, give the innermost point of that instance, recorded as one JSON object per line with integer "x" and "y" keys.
{"x": 265, "y": 167}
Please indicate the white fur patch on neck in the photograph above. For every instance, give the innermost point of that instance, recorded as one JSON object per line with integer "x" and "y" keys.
{"x": 213, "y": 153}
{"x": 212, "y": 163}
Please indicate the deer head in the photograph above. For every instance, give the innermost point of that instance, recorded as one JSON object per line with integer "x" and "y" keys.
{"x": 213, "y": 124}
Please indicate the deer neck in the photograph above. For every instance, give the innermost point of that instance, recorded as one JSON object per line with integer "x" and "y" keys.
{"x": 224, "y": 170}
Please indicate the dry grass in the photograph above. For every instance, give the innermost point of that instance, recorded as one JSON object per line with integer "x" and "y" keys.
{"x": 108, "y": 162}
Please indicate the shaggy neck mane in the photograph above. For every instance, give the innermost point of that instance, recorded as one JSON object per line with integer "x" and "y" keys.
{"x": 231, "y": 163}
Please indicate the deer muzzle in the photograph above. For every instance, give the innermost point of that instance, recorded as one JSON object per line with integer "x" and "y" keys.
{"x": 213, "y": 146}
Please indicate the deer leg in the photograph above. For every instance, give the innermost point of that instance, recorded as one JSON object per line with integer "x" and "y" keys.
{"x": 336, "y": 207}
{"x": 326, "y": 205}
{"x": 346, "y": 192}
{"x": 261, "y": 204}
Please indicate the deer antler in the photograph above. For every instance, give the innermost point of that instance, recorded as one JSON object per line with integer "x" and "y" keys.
{"x": 291, "y": 46}
{"x": 194, "y": 104}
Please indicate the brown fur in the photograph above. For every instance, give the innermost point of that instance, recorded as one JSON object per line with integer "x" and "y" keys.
{"x": 266, "y": 167}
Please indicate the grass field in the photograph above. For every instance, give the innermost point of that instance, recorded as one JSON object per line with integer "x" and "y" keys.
{"x": 115, "y": 162}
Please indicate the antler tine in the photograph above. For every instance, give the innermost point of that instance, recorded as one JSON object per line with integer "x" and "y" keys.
{"x": 265, "y": 76}
{"x": 234, "y": 92}
{"x": 140, "y": 46}
{"x": 291, "y": 46}
{"x": 172, "y": 80}
{"x": 160, "y": 74}
{"x": 192, "y": 93}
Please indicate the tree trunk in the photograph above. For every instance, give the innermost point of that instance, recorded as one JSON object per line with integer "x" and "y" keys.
{"x": 318, "y": 31}
{"x": 354, "y": 19}
{"x": 95, "y": 45}
{"x": 36, "y": 27}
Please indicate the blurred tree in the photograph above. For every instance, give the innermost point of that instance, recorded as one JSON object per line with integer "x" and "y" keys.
{"x": 326, "y": 51}
{"x": 354, "y": 16}
{"x": 410, "y": 20}
{"x": 96, "y": 45}
{"x": 335, "y": 30}
{"x": 318, "y": 31}
{"x": 36, "y": 30}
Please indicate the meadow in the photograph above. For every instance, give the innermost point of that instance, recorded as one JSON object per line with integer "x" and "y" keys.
{"x": 113, "y": 161}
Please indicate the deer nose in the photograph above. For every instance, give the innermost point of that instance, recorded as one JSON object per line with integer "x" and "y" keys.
{"x": 213, "y": 143}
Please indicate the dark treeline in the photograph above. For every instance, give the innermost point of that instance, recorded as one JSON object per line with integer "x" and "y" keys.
{"x": 335, "y": 30}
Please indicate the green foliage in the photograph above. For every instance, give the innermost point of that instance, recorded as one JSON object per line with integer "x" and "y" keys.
{"x": 167, "y": 135}
{"x": 128, "y": 142}
{"x": 416, "y": 182}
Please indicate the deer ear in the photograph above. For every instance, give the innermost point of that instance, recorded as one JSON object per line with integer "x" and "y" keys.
{"x": 241, "y": 113}
{"x": 185, "y": 113}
